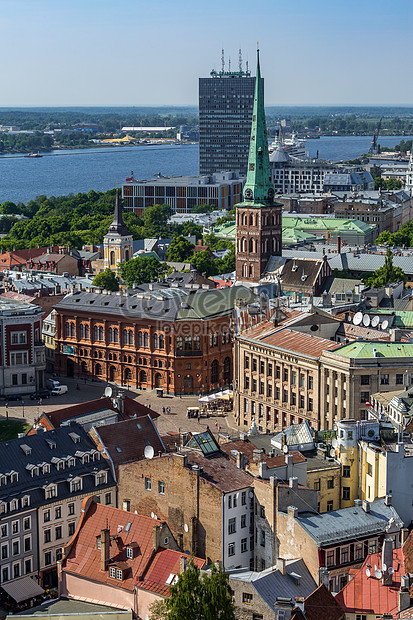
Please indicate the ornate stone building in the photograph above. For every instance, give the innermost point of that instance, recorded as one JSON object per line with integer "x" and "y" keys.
{"x": 258, "y": 216}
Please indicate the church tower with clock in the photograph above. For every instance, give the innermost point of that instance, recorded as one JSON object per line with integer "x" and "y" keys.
{"x": 258, "y": 217}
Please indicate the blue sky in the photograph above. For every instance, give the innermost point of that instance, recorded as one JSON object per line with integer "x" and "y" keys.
{"x": 131, "y": 52}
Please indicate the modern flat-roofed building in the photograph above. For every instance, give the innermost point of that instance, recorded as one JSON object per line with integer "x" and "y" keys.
{"x": 222, "y": 190}
{"x": 225, "y": 114}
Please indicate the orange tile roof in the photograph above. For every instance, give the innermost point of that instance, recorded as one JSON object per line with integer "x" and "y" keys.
{"x": 321, "y": 605}
{"x": 367, "y": 595}
{"x": 149, "y": 566}
{"x": 296, "y": 342}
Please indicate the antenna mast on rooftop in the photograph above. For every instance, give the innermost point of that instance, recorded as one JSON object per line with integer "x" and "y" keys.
{"x": 222, "y": 60}
{"x": 240, "y": 60}
{"x": 229, "y": 64}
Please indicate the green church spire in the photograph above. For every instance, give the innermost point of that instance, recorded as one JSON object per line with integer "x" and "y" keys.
{"x": 258, "y": 190}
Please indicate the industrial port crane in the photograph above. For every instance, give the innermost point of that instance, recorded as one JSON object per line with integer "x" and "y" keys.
{"x": 374, "y": 144}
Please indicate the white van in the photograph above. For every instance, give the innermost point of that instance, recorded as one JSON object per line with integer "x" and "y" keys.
{"x": 59, "y": 390}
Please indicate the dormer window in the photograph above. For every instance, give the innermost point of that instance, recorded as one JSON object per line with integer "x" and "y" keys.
{"x": 26, "y": 449}
{"x": 3, "y": 508}
{"x": 51, "y": 444}
{"x": 101, "y": 478}
{"x": 14, "y": 504}
{"x": 112, "y": 572}
{"x": 129, "y": 552}
{"x": 74, "y": 437}
{"x": 60, "y": 465}
{"x": 26, "y": 501}
{"x": 71, "y": 462}
{"x": 119, "y": 574}
{"x": 98, "y": 543}
{"x": 51, "y": 491}
{"x": 76, "y": 485}
{"x": 85, "y": 459}
{"x": 3, "y": 480}
{"x": 35, "y": 471}
{"x": 46, "y": 469}
{"x": 14, "y": 476}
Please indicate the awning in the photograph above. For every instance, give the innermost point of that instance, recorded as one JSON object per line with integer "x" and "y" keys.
{"x": 22, "y": 589}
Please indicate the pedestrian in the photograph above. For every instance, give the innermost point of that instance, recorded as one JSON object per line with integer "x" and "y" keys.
{"x": 199, "y": 418}
{"x": 40, "y": 402}
{"x": 163, "y": 410}
{"x": 168, "y": 410}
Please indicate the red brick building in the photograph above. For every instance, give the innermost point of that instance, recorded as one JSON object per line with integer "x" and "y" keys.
{"x": 174, "y": 340}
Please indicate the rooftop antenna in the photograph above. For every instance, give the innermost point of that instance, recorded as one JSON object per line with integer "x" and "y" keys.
{"x": 246, "y": 67}
{"x": 229, "y": 64}
{"x": 240, "y": 61}
{"x": 222, "y": 60}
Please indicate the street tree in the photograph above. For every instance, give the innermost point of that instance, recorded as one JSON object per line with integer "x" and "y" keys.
{"x": 142, "y": 269}
{"x": 107, "y": 280}
{"x": 179, "y": 250}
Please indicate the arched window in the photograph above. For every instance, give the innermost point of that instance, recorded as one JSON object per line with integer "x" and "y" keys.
{"x": 140, "y": 339}
{"x": 125, "y": 336}
{"x": 245, "y": 270}
{"x": 211, "y": 340}
{"x": 146, "y": 339}
{"x": 67, "y": 327}
{"x": 82, "y": 331}
{"x": 87, "y": 331}
{"x": 251, "y": 220}
{"x": 156, "y": 341}
{"x": 161, "y": 341}
{"x": 128, "y": 374}
{"x": 115, "y": 357}
{"x": 112, "y": 257}
{"x": 110, "y": 357}
{"x": 126, "y": 255}
{"x": 143, "y": 377}
{"x": 116, "y": 335}
{"x": 130, "y": 336}
{"x": 251, "y": 245}
{"x": 72, "y": 330}
{"x": 95, "y": 332}
{"x": 100, "y": 333}
{"x": 160, "y": 364}
{"x": 98, "y": 370}
{"x": 179, "y": 343}
{"x": 227, "y": 370}
{"x": 112, "y": 373}
{"x": 214, "y": 372}
{"x": 130, "y": 359}
{"x": 155, "y": 363}
{"x": 244, "y": 244}
{"x": 158, "y": 380}
{"x": 83, "y": 368}
{"x": 100, "y": 355}
{"x": 251, "y": 273}
{"x": 188, "y": 343}
{"x": 197, "y": 343}
{"x": 110, "y": 334}
{"x": 216, "y": 339}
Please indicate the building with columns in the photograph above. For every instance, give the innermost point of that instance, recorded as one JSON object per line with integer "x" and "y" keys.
{"x": 118, "y": 242}
{"x": 258, "y": 217}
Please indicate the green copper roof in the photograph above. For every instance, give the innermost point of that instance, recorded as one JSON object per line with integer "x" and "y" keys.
{"x": 258, "y": 190}
{"x": 326, "y": 223}
{"x": 359, "y": 350}
{"x": 402, "y": 318}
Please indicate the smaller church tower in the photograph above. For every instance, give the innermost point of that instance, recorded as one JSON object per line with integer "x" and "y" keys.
{"x": 258, "y": 217}
{"x": 117, "y": 243}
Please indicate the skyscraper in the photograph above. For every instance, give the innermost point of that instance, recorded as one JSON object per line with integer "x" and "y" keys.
{"x": 258, "y": 217}
{"x": 225, "y": 113}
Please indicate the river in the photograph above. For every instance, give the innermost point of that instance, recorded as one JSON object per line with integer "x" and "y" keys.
{"x": 79, "y": 170}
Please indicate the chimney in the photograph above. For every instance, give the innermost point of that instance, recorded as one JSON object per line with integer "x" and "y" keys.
{"x": 404, "y": 534}
{"x": 180, "y": 460}
{"x": 281, "y": 565}
{"x": 299, "y": 601}
{"x": 104, "y": 549}
{"x": 243, "y": 436}
{"x": 366, "y": 505}
{"x": 183, "y": 564}
{"x": 283, "y": 441}
{"x": 338, "y": 244}
{"x": 357, "y": 502}
{"x": 387, "y": 560}
{"x": 240, "y": 460}
{"x": 404, "y": 593}
{"x": 289, "y": 463}
{"x": 156, "y": 537}
{"x": 387, "y": 499}
{"x": 292, "y": 512}
{"x": 324, "y": 577}
{"x": 293, "y": 482}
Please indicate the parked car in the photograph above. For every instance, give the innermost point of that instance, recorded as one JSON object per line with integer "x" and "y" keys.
{"x": 52, "y": 383}
{"x": 13, "y": 397}
{"x": 40, "y": 394}
{"x": 59, "y": 390}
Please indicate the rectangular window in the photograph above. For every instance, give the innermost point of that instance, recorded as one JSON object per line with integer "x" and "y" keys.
{"x": 112, "y": 572}
{"x": 28, "y": 543}
{"x": 15, "y": 527}
{"x": 58, "y": 532}
{"x": 364, "y": 397}
{"x": 5, "y": 574}
{"x": 48, "y": 558}
{"x": 71, "y": 529}
{"x": 229, "y": 501}
{"x": 28, "y": 566}
{"x": 247, "y": 598}
{"x": 129, "y": 552}
{"x": 346, "y": 492}
{"x": 330, "y": 506}
{"x": 399, "y": 379}
{"x": 231, "y": 549}
{"x": 369, "y": 469}
{"x": 358, "y": 551}
{"x": 244, "y": 545}
{"x": 4, "y": 552}
{"x": 16, "y": 570}
{"x": 108, "y": 499}
{"x": 243, "y": 520}
{"x": 232, "y": 523}
{"x": 47, "y": 536}
{"x": 346, "y": 471}
{"x": 243, "y": 498}
{"x": 330, "y": 557}
{"x": 161, "y": 488}
{"x": 262, "y": 540}
{"x": 58, "y": 512}
{"x": 384, "y": 380}
{"x": 372, "y": 546}
{"x": 330, "y": 483}
{"x": 344, "y": 555}
{"x": 254, "y": 365}
{"x": 3, "y": 530}
{"x": 365, "y": 379}
{"x": 71, "y": 509}
{"x": 310, "y": 383}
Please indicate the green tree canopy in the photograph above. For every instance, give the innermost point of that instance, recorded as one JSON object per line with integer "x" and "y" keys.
{"x": 387, "y": 273}
{"x": 142, "y": 269}
{"x": 107, "y": 280}
{"x": 155, "y": 220}
{"x": 179, "y": 250}
{"x": 199, "y": 597}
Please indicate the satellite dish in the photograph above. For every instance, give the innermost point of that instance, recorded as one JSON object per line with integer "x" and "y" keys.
{"x": 186, "y": 528}
{"x": 149, "y": 452}
{"x": 368, "y": 573}
{"x": 152, "y": 515}
{"x": 357, "y": 319}
{"x": 378, "y": 574}
{"x": 285, "y": 449}
{"x": 375, "y": 321}
{"x": 332, "y": 452}
{"x": 385, "y": 324}
{"x": 108, "y": 391}
{"x": 384, "y": 567}
{"x": 391, "y": 570}
{"x": 366, "y": 320}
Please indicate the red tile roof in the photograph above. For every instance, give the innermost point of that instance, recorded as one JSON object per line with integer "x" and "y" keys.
{"x": 248, "y": 449}
{"x": 148, "y": 567}
{"x": 126, "y": 440}
{"x": 367, "y": 595}
{"x": 220, "y": 471}
{"x": 52, "y": 419}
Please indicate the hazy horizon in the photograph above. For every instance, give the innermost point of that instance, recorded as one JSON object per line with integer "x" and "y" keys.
{"x": 78, "y": 53}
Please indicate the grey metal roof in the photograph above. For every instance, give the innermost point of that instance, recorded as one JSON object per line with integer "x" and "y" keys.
{"x": 21, "y": 455}
{"x": 272, "y": 583}
{"x": 347, "y": 523}
{"x": 279, "y": 156}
